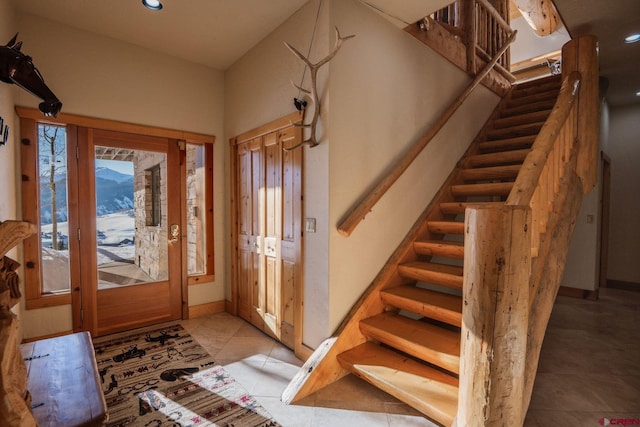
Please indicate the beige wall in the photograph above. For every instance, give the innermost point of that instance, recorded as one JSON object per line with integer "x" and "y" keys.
{"x": 380, "y": 93}
{"x": 386, "y": 90}
{"x": 582, "y": 269}
{"x": 101, "y": 77}
{"x": 7, "y": 153}
{"x": 624, "y": 237}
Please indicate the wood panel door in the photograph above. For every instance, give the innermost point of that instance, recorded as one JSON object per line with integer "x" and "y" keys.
{"x": 268, "y": 188}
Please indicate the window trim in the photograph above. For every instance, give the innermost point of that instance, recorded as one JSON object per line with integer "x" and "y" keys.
{"x": 209, "y": 274}
{"x": 29, "y": 120}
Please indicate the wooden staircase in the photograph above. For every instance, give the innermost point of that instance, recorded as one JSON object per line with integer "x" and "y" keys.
{"x": 453, "y": 323}
{"x": 414, "y": 343}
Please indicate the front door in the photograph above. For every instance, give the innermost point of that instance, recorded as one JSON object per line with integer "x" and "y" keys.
{"x": 268, "y": 216}
{"x": 131, "y": 222}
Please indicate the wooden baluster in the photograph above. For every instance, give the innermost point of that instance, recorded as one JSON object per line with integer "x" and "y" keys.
{"x": 544, "y": 198}
{"x": 472, "y": 28}
{"x": 558, "y": 166}
{"x": 535, "y": 222}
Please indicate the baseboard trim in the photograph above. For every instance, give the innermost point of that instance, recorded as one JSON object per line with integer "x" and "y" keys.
{"x": 44, "y": 337}
{"x": 206, "y": 309}
{"x": 230, "y": 307}
{"x": 621, "y": 284}
{"x": 578, "y": 293}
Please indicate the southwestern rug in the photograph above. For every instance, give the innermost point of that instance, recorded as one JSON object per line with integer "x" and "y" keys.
{"x": 161, "y": 376}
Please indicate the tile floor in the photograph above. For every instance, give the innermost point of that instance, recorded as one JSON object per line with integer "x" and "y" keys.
{"x": 589, "y": 369}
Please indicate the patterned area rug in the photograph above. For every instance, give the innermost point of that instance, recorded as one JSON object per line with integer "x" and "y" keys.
{"x": 162, "y": 377}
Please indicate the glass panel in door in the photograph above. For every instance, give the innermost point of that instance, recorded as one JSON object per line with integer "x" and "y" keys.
{"x": 132, "y": 231}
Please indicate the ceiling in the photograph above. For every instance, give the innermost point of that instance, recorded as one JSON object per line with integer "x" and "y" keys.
{"x": 611, "y": 21}
{"x": 216, "y": 33}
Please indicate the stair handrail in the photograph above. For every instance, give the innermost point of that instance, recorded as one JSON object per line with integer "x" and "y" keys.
{"x": 531, "y": 170}
{"x": 515, "y": 253}
{"x": 357, "y": 213}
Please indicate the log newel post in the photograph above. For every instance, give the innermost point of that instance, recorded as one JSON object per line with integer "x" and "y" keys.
{"x": 581, "y": 54}
{"x": 495, "y": 315}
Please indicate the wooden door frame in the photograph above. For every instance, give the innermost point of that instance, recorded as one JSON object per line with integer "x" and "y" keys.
{"x": 604, "y": 206}
{"x": 301, "y": 350}
{"x": 83, "y": 124}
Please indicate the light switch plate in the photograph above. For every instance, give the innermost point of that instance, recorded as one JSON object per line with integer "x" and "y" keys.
{"x": 310, "y": 225}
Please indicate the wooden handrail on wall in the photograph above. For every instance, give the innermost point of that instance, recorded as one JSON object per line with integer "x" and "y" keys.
{"x": 357, "y": 213}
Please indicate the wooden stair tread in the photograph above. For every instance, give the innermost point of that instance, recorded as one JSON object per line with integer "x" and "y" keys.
{"x": 440, "y": 248}
{"x": 514, "y": 131}
{"x": 544, "y": 104}
{"x": 484, "y": 189}
{"x": 433, "y": 344}
{"x": 530, "y": 99}
{"x": 519, "y": 119}
{"x": 553, "y": 80}
{"x": 491, "y": 172}
{"x": 446, "y": 227}
{"x": 434, "y": 305}
{"x": 523, "y": 89}
{"x": 428, "y": 390}
{"x": 457, "y": 208}
{"x": 507, "y": 143}
{"x": 429, "y": 272}
{"x": 502, "y": 157}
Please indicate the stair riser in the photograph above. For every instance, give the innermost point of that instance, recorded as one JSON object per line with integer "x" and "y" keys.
{"x": 443, "y": 250}
{"x": 528, "y": 108}
{"x": 451, "y": 317}
{"x": 500, "y": 172}
{"x": 482, "y": 190}
{"x": 516, "y": 131}
{"x": 434, "y": 277}
{"x": 438, "y": 227}
{"x": 449, "y": 362}
{"x": 521, "y": 119}
{"x": 523, "y": 90}
{"x": 530, "y": 99}
{"x": 507, "y": 144}
{"x": 501, "y": 158}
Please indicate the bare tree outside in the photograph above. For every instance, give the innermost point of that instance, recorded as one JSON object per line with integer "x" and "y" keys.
{"x": 53, "y": 166}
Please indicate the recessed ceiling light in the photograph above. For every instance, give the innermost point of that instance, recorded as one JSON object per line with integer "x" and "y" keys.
{"x": 638, "y": 93}
{"x": 632, "y": 38}
{"x": 152, "y": 4}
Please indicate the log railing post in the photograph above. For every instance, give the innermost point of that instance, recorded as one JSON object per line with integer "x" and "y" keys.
{"x": 495, "y": 315}
{"x": 470, "y": 23}
{"x": 581, "y": 54}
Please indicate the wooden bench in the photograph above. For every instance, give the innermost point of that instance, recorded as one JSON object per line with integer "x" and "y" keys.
{"x": 62, "y": 377}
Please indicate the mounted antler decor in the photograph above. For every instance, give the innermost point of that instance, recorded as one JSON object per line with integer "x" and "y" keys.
{"x": 313, "y": 93}
{"x": 18, "y": 68}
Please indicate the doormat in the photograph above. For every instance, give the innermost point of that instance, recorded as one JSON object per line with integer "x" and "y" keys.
{"x": 161, "y": 376}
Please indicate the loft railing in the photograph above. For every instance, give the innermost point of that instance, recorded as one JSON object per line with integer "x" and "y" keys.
{"x": 483, "y": 27}
{"x": 490, "y": 31}
{"x": 454, "y": 17}
{"x": 515, "y": 253}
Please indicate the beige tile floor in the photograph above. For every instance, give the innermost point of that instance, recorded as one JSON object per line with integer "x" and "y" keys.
{"x": 589, "y": 369}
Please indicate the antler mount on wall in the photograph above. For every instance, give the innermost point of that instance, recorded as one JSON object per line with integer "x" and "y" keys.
{"x": 313, "y": 92}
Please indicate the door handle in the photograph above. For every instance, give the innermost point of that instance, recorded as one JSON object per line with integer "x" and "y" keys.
{"x": 175, "y": 233}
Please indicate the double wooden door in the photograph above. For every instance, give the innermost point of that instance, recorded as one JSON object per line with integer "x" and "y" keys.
{"x": 268, "y": 210}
